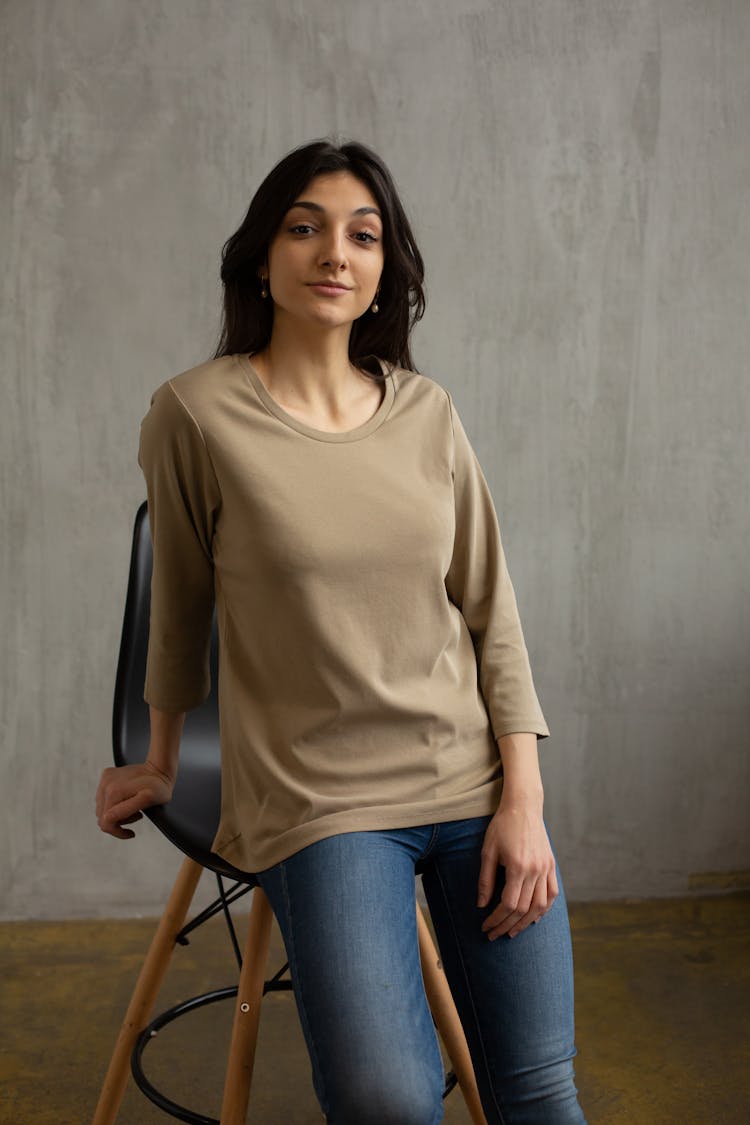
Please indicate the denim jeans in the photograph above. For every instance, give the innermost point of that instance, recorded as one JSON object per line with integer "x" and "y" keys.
{"x": 346, "y": 909}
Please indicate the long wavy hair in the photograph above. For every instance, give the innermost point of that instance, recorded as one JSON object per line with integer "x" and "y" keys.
{"x": 247, "y": 319}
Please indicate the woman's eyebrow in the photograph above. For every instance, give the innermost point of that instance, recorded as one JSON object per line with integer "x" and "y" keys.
{"x": 317, "y": 207}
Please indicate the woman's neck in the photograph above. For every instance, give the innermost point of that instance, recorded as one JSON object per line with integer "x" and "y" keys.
{"x": 322, "y": 380}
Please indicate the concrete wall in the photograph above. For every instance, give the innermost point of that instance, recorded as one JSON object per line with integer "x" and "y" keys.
{"x": 578, "y": 179}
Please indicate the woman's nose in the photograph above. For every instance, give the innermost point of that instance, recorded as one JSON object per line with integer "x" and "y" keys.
{"x": 334, "y": 248}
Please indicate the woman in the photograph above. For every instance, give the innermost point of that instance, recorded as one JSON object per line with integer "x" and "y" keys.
{"x": 378, "y": 714}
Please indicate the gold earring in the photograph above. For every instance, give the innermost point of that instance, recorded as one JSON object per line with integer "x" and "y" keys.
{"x": 374, "y": 305}
{"x": 263, "y": 291}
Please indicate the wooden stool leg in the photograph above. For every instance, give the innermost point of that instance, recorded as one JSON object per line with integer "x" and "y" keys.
{"x": 446, "y": 1018}
{"x": 146, "y": 990}
{"x": 247, "y": 1013}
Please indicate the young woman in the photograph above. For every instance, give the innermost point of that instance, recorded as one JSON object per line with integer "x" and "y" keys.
{"x": 378, "y": 713}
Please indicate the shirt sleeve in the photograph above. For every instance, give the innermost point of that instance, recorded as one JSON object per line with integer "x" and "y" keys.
{"x": 478, "y": 583}
{"x": 183, "y": 502}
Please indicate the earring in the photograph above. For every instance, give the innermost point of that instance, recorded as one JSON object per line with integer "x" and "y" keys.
{"x": 374, "y": 305}
{"x": 263, "y": 291}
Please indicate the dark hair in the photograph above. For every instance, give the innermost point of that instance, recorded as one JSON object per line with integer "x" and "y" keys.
{"x": 247, "y": 318}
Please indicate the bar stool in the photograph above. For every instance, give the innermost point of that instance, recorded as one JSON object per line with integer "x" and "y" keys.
{"x": 189, "y": 821}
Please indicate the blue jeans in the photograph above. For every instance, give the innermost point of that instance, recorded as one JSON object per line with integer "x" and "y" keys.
{"x": 346, "y": 908}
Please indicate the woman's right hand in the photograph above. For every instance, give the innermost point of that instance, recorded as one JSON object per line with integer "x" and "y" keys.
{"x": 122, "y": 793}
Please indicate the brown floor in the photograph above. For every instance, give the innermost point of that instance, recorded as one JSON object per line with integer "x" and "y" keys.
{"x": 662, "y": 1001}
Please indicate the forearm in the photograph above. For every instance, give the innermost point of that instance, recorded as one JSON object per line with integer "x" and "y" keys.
{"x": 164, "y": 745}
{"x": 522, "y": 779}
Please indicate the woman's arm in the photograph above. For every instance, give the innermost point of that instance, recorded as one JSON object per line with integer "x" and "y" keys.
{"x": 124, "y": 791}
{"x": 516, "y": 839}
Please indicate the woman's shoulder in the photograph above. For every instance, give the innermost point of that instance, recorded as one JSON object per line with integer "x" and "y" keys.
{"x": 184, "y": 402}
{"x": 419, "y": 389}
{"x": 195, "y": 388}
{"x": 203, "y": 378}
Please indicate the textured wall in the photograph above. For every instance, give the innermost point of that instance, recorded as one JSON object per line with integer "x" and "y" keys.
{"x": 578, "y": 179}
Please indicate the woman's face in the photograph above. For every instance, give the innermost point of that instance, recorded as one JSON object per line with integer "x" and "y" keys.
{"x": 323, "y": 237}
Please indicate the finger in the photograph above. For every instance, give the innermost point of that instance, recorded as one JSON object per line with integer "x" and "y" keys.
{"x": 505, "y": 925}
{"x": 120, "y": 833}
{"x": 508, "y": 907}
{"x": 552, "y": 891}
{"x": 537, "y": 908}
{"x": 124, "y": 798}
{"x": 487, "y": 877}
{"x": 99, "y": 799}
{"x": 108, "y": 793}
{"x": 517, "y": 917}
{"x": 132, "y": 819}
{"x": 120, "y": 812}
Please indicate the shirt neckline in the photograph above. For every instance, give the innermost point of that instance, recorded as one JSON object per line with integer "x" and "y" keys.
{"x": 288, "y": 419}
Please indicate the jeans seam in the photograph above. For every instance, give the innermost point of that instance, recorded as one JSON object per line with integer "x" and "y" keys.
{"x": 292, "y": 953}
{"x": 431, "y": 843}
{"x": 449, "y": 913}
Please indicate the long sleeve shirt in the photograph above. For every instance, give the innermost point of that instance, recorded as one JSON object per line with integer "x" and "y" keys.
{"x": 370, "y": 647}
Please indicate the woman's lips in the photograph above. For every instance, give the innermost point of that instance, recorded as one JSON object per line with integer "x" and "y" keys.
{"x": 329, "y": 290}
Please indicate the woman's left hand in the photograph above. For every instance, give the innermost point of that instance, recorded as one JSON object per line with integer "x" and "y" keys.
{"x": 517, "y": 840}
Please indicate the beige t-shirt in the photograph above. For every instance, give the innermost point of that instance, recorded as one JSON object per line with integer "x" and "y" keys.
{"x": 370, "y": 646}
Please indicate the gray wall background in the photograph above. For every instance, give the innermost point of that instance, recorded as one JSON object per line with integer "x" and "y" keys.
{"x": 578, "y": 177}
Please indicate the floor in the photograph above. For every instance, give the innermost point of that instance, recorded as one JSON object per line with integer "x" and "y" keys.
{"x": 662, "y": 1003}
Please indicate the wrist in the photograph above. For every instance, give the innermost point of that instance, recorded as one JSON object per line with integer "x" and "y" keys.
{"x": 156, "y": 764}
{"x": 522, "y": 779}
{"x": 522, "y": 798}
{"x": 164, "y": 743}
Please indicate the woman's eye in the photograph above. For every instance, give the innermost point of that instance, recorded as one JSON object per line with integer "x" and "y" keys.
{"x": 301, "y": 227}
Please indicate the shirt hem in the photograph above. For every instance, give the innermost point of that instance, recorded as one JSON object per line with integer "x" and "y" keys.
{"x": 236, "y": 851}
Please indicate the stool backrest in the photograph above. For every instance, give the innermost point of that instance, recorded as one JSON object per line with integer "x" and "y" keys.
{"x": 191, "y": 818}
